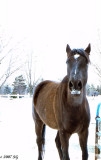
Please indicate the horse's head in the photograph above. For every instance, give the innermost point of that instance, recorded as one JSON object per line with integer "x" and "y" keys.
{"x": 77, "y": 71}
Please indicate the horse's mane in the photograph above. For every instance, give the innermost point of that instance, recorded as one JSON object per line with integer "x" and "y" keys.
{"x": 81, "y": 52}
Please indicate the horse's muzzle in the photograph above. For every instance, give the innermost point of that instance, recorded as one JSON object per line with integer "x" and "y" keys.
{"x": 75, "y": 87}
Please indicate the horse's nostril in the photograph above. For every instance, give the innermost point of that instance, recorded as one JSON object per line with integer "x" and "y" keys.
{"x": 71, "y": 85}
{"x": 79, "y": 85}
{"x": 75, "y": 85}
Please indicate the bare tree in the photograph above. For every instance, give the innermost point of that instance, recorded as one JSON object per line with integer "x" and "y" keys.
{"x": 10, "y": 56}
{"x": 96, "y": 60}
{"x": 30, "y": 71}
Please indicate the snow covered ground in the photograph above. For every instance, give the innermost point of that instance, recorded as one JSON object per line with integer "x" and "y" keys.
{"x": 17, "y": 135}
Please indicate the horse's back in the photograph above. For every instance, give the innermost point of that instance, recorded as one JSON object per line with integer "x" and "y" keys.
{"x": 43, "y": 100}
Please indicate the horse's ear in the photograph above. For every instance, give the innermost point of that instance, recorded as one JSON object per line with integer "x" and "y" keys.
{"x": 68, "y": 50}
{"x": 88, "y": 49}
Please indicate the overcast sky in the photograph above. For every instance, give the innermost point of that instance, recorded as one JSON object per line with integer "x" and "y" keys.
{"x": 48, "y": 25}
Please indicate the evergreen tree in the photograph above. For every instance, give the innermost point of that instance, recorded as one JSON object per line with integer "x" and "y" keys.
{"x": 19, "y": 85}
{"x": 7, "y": 90}
{"x": 99, "y": 89}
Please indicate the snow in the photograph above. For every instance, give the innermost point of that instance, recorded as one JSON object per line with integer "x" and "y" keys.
{"x": 17, "y": 134}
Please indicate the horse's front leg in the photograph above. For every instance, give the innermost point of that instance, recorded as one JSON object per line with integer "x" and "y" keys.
{"x": 83, "y": 137}
{"x": 64, "y": 139}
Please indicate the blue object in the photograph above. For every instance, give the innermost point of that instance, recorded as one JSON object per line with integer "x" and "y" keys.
{"x": 98, "y": 119}
{"x": 98, "y": 108}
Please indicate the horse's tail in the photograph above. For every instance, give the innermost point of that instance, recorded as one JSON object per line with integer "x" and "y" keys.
{"x": 38, "y": 89}
{"x": 43, "y": 131}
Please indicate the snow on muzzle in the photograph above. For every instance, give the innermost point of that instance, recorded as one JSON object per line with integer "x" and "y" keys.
{"x": 75, "y": 92}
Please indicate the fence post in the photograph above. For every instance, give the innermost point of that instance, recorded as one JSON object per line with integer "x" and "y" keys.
{"x": 18, "y": 96}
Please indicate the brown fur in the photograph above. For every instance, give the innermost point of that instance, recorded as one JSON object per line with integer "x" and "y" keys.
{"x": 38, "y": 89}
{"x": 55, "y": 106}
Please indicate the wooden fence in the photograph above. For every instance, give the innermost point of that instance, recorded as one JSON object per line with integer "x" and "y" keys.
{"x": 11, "y": 96}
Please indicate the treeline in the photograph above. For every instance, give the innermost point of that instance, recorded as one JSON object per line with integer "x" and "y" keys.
{"x": 19, "y": 86}
{"x": 93, "y": 91}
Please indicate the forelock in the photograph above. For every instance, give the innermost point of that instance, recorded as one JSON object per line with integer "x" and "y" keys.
{"x": 80, "y": 52}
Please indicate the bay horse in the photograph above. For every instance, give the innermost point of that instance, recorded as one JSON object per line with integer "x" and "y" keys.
{"x": 64, "y": 106}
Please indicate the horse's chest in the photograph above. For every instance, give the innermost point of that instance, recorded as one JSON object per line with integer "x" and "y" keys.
{"x": 73, "y": 122}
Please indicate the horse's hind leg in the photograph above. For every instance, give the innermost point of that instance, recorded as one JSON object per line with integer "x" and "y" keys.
{"x": 58, "y": 145}
{"x": 40, "y": 139}
{"x": 40, "y": 133}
